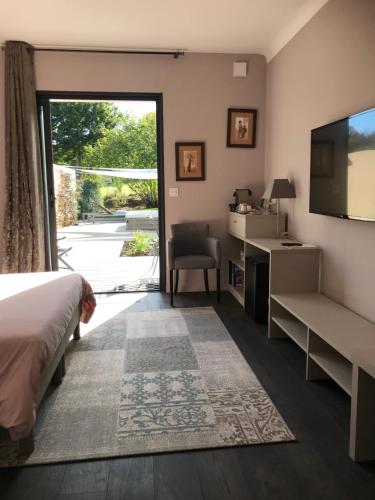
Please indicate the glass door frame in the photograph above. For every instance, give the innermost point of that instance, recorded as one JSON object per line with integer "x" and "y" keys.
{"x": 43, "y": 105}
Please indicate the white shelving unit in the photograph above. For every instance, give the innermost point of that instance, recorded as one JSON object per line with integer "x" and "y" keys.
{"x": 340, "y": 370}
{"x": 238, "y": 262}
{"x": 237, "y": 290}
{"x": 330, "y": 361}
{"x": 294, "y": 329}
{"x": 242, "y": 226}
{"x": 339, "y": 344}
{"x": 239, "y": 293}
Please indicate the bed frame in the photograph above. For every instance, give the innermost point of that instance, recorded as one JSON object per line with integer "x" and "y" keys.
{"x": 53, "y": 374}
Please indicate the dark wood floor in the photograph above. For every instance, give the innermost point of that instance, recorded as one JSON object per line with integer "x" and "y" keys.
{"x": 317, "y": 467}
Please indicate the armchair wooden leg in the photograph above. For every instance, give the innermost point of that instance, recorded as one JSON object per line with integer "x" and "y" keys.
{"x": 176, "y": 282}
{"x": 218, "y": 284}
{"x": 205, "y": 273}
{"x": 171, "y": 285}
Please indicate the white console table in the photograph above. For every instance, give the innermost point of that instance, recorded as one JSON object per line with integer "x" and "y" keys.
{"x": 291, "y": 269}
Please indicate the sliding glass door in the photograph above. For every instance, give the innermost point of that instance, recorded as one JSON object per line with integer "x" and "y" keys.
{"x": 103, "y": 184}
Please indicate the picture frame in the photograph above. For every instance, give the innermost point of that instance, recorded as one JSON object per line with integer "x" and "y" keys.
{"x": 241, "y": 128}
{"x": 190, "y": 161}
{"x": 322, "y": 159}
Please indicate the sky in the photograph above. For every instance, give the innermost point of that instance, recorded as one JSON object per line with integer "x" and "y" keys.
{"x": 363, "y": 122}
{"x": 136, "y": 108}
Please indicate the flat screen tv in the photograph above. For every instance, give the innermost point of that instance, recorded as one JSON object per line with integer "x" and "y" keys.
{"x": 342, "y": 168}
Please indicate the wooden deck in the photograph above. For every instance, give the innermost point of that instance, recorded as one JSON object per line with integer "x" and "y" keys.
{"x": 95, "y": 253}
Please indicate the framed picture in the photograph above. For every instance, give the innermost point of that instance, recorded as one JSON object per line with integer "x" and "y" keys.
{"x": 322, "y": 159}
{"x": 190, "y": 161}
{"x": 241, "y": 132}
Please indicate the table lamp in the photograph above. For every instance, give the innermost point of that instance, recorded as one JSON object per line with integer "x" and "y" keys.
{"x": 277, "y": 189}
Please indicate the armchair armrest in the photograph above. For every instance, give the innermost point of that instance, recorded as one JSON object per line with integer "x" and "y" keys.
{"x": 213, "y": 248}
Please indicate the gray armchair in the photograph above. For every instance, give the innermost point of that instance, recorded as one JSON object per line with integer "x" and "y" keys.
{"x": 191, "y": 248}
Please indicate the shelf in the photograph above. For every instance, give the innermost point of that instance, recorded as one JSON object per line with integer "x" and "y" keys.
{"x": 238, "y": 293}
{"x": 332, "y": 322}
{"x": 294, "y": 329}
{"x": 238, "y": 263}
{"x": 335, "y": 366}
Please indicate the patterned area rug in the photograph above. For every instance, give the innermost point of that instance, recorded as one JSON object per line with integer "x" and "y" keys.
{"x": 156, "y": 381}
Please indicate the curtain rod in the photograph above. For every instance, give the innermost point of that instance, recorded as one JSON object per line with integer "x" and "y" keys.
{"x": 175, "y": 53}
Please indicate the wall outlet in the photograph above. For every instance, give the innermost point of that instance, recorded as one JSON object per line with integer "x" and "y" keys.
{"x": 174, "y": 192}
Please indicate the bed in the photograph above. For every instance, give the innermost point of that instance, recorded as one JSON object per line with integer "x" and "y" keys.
{"x": 39, "y": 312}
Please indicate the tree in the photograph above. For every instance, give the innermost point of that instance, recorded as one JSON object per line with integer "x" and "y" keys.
{"x": 359, "y": 141}
{"x": 79, "y": 124}
{"x": 89, "y": 198}
{"x": 132, "y": 144}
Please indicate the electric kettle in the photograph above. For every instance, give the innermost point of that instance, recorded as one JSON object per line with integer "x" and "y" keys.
{"x": 243, "y": 208}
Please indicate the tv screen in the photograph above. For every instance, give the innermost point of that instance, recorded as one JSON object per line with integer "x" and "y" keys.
{"x": 342, "y": 168}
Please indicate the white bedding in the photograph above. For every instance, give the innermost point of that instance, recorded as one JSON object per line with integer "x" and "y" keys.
{"x": 35, "y": 310}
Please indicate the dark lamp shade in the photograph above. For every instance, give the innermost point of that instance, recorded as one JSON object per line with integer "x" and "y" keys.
{"x": 279, "y": 188}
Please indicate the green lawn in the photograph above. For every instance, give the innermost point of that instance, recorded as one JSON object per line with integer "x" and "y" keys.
{"x": 112, "y": 190}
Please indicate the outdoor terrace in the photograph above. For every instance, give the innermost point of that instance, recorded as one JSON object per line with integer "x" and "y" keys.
{"x": 95, "y": 247}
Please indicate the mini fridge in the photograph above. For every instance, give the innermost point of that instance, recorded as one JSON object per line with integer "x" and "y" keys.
{"x": 257, "y": 287}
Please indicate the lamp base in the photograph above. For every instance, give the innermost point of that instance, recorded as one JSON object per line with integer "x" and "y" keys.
{"x": 278, "y": 218}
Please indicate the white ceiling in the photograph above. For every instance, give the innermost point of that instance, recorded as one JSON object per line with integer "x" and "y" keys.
{"x": 237, "y": 26}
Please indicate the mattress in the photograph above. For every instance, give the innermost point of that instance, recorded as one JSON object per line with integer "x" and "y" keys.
{"x": 35, "y": 310}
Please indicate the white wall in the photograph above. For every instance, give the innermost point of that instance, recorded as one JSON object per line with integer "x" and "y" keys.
{"x": 197, "y": 91}
{"x": 326, "y": 72}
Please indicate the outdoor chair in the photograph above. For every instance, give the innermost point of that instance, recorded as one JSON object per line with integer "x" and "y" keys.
{"x": 191, "y": 248}
{"x": 61, "y": 252}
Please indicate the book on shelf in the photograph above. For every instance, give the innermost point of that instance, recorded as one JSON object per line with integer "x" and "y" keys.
{"x": 237, "y": 276}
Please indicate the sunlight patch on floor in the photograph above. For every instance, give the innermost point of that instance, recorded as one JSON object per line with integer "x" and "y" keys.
{"x": 108, "y": 306}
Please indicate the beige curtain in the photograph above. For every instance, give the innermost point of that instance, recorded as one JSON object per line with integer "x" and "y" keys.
{"x": 23, "y": 244}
